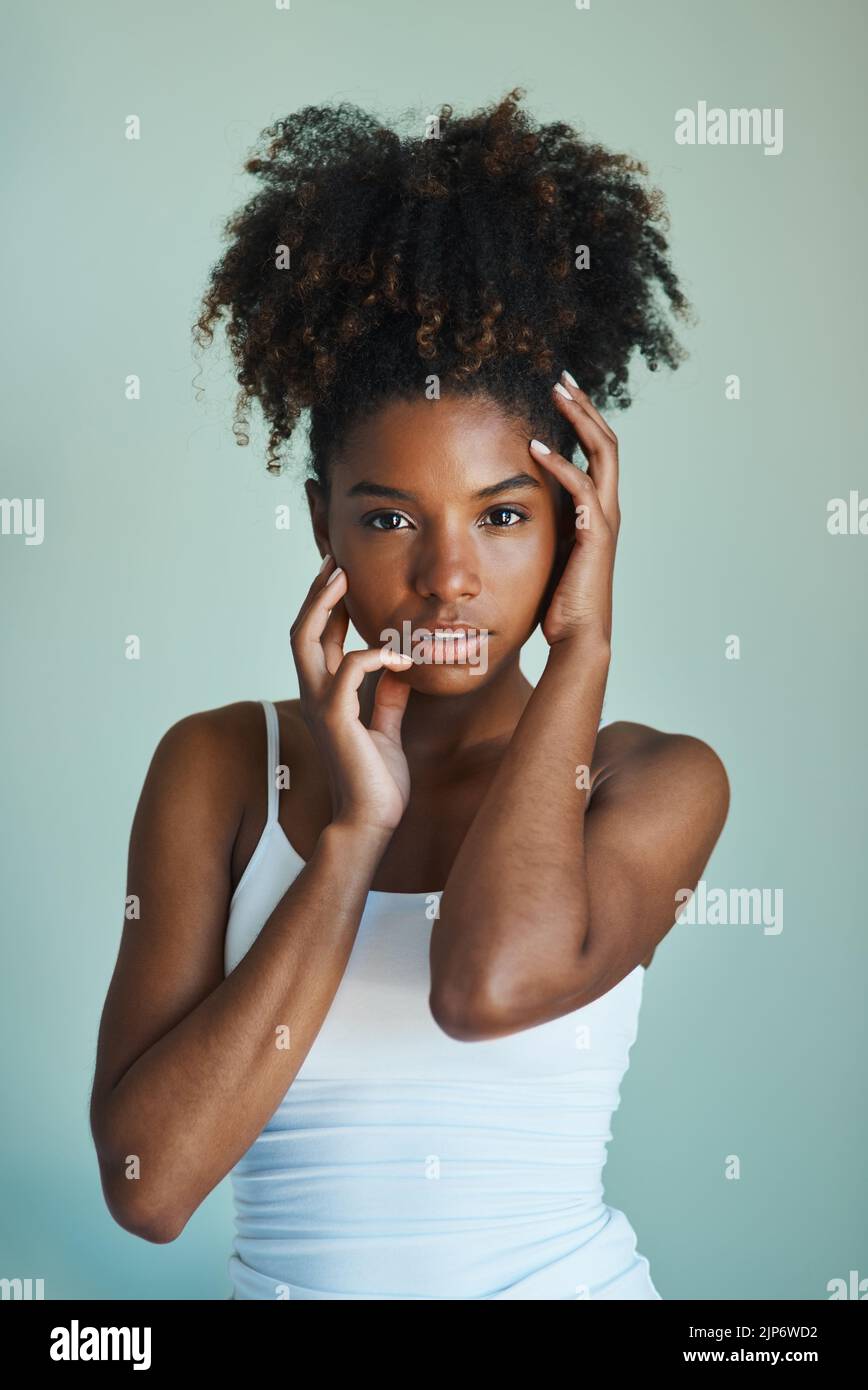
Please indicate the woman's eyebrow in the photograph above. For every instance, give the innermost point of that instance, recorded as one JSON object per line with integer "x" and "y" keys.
{"x": 517, "y": 482}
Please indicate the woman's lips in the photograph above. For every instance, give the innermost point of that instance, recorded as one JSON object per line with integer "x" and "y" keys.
{"x": 445, "y": 643}
{"x": 449, "y": 646}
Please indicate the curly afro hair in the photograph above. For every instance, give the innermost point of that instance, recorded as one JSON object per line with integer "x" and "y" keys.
{"x": 369, "y": 262}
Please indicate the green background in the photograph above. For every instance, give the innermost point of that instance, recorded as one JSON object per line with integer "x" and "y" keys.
{"x": 156, "y": 523}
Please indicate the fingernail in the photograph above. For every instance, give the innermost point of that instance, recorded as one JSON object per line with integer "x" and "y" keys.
{"x": 571, "y": 379}
{"x": 538, "y": 444}
{"x": 563, "y": 390}
{"x": 334, "y": 576}
{"x": 324, "y": 563}
{"x": 395, "y": 656}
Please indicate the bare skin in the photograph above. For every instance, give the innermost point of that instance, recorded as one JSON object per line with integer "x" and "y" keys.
{"x": 391, "y": 772}
{"x": 420, "y": 854}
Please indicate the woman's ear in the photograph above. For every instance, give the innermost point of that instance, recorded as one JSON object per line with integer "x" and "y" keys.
{"x": 318, "y": 506}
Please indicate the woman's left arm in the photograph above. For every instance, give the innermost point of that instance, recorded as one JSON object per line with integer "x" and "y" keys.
{"x": 555, "y": 895}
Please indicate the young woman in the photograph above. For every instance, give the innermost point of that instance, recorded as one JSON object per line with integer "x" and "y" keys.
{"x": 391, "y": 936}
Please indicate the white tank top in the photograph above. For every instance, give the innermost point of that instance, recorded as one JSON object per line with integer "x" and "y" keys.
{"x": 402, "y": 1164}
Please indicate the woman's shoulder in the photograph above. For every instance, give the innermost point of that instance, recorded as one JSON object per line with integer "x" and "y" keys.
{"x": 230, "y": 741}
{"x": 628, "y": 747}
{"x": 625, "y": 735}
{"x": 222, "y": 749}
{"x": 208, "y": 775}
{"x": 233, "y": 724}
{"x": 223, "y": 730}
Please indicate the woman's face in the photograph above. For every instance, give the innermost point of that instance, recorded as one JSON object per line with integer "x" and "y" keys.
{"x": 430, "y": 530}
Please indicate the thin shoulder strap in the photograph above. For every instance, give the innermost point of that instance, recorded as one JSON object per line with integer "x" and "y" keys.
{"x": 273, "y": 734}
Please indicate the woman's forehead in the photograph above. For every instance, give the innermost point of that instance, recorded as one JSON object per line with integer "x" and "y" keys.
{"x": 449, "y": 429}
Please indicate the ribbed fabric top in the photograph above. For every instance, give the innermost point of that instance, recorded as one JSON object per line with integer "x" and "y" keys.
{"x": 402, "y": 1164}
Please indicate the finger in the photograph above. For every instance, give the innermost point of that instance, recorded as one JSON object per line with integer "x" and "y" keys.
{"x": 342, "y": 700}
{"x": 337, "y": 622}
{"x": 318, "y": 583}
{"x": 390, "y": 702}
{"x": 576, "y": 391}
{"x": 598, "y": 443}
{"x": 313, "y": 618}
{"x": 581, "y": 487}
{"x": 334, "y": 635}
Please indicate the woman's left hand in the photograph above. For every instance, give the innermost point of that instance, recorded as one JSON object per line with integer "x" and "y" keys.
{"x": 581, "y": 604}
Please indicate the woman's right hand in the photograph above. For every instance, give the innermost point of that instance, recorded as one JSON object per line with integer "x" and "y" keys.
{"x": 367, "y": 767}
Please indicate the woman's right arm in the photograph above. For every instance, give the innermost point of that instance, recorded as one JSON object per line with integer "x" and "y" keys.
{"x": 191, "y": 1065}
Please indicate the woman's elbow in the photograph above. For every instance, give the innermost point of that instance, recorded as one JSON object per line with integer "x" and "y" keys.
{"x": 153, "y": 1223}
{"x": 135, "y": 1206}
{"x": 461, "y": 1017}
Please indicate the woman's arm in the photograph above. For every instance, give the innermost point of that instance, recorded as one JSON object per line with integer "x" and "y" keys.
{"x": 514, "y": 913}
{"x": 191, "y": 1066}
{"x": 554, "y": 896}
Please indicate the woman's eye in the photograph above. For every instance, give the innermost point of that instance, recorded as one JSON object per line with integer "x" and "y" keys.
{"x": 379, "y": 517}
{"x": 372, "y": 521}
{"x": 508, "y": 511}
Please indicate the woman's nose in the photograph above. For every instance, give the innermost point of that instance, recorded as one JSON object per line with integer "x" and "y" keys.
{"x": 447, "y": 571}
